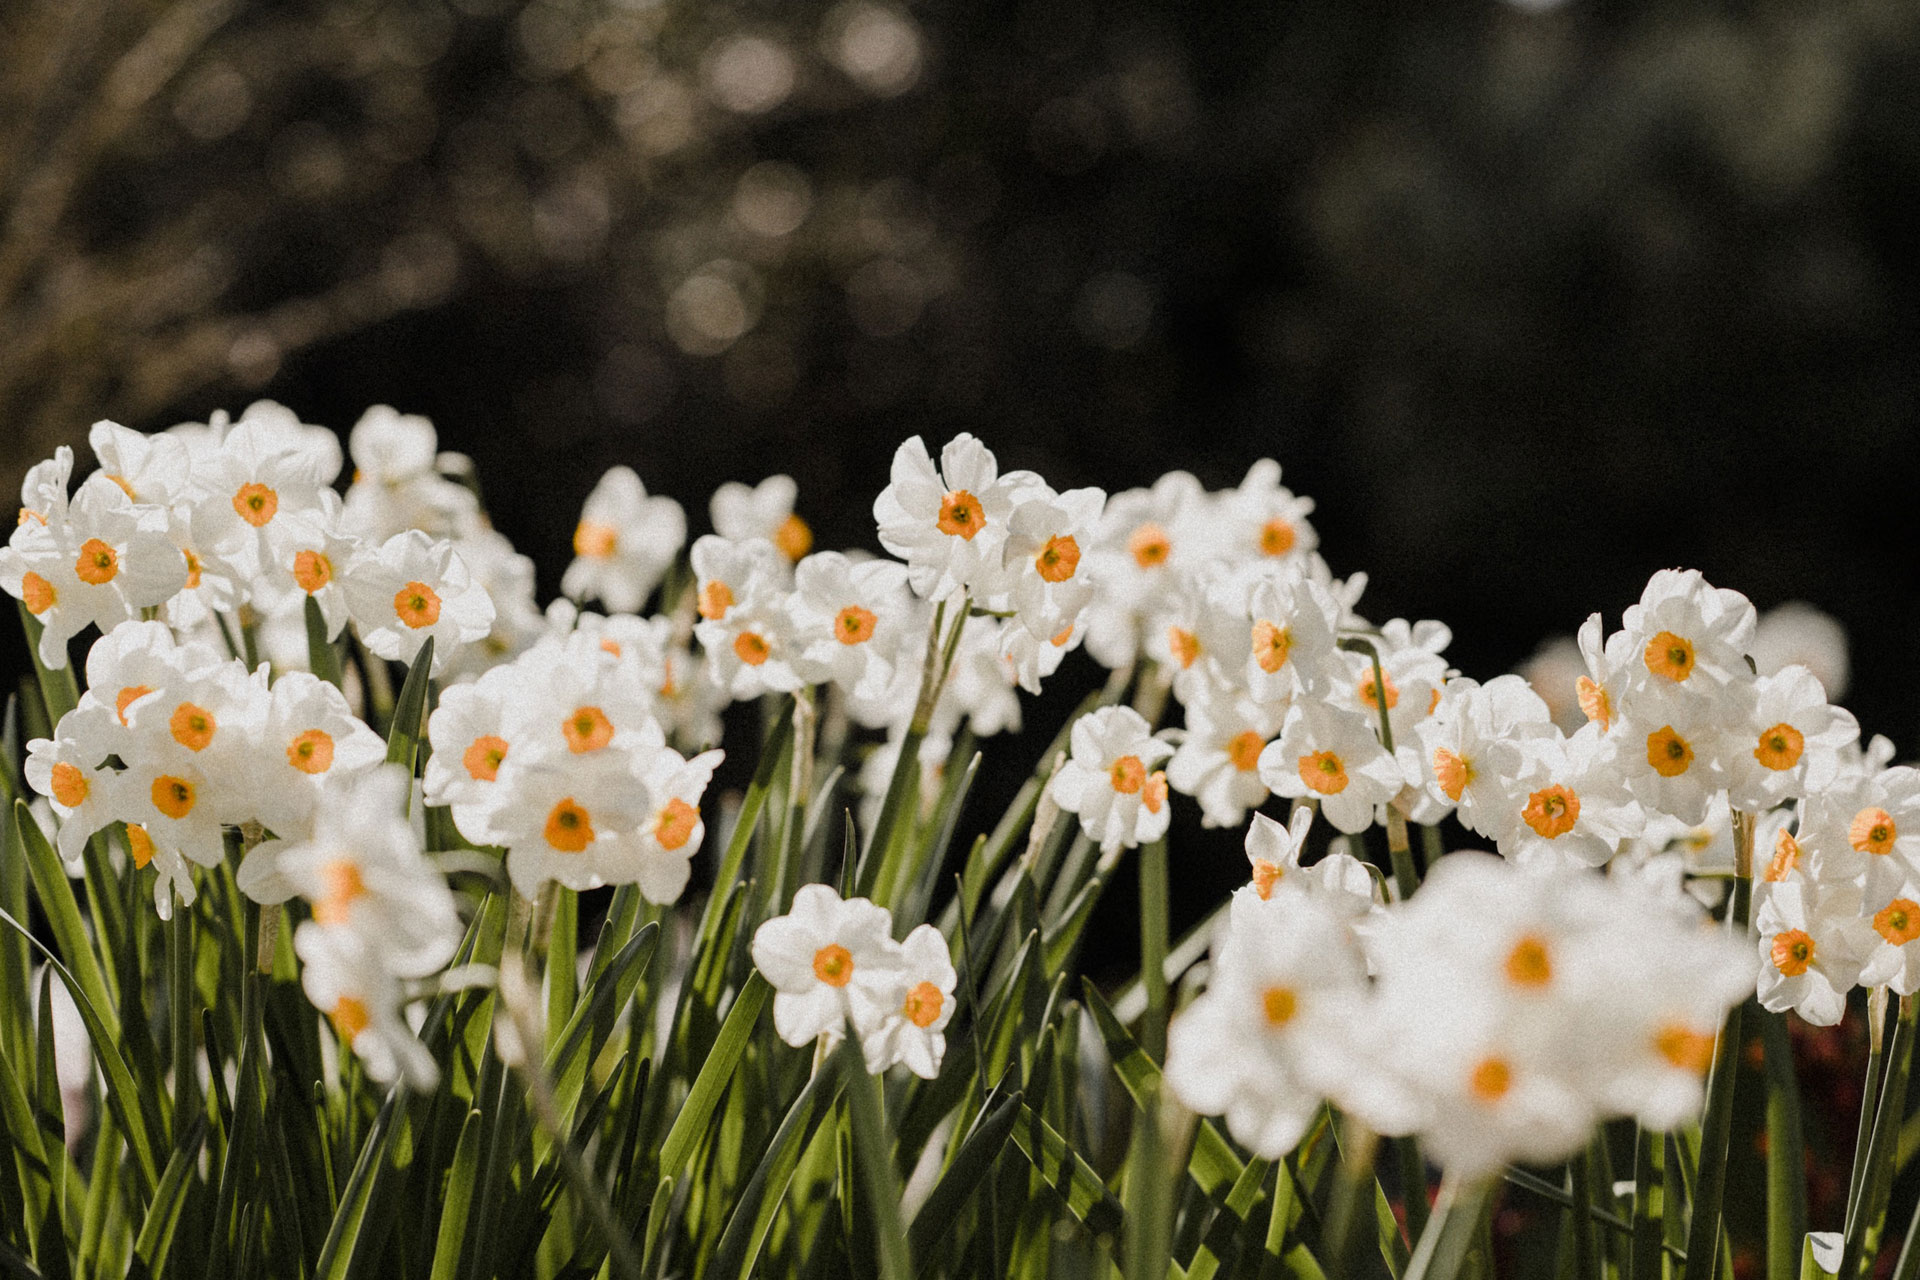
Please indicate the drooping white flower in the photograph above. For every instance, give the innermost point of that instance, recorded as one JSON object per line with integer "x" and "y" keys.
{"x": 149, "y": 469}
{"x": 1109, "y": 780}
{"x": 672, "y": 833}
{"x": 624, "y": 542}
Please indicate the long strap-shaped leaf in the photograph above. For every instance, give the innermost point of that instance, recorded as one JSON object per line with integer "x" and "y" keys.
{"x": 163, "y": 1215}
{"x": 1071, "y": 1178}
{"x": 968, "y": 1170}
{"x": 753, "y": 1212}
{"x": 690, "y": 1125}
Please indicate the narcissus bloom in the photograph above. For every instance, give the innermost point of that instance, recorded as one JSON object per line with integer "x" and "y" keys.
{"x": 1813, "y": 946}
{"x": 1794, "y": 743}
{"x": 951, "y": 524}
{"x": 1048, "y": 535}
{"x": 764, "y": 511}
{"x": 1331, "y": 756}
{"x": 345, "y": 978}
{"x": 413, "y": 587}
{"x": 829, "y": 961}
{"x": 624, "y": 542}
{"x": 911, "y": 1028}
{"x": 850, "y": 621}
{"x": 1218, "y": 761}
{"x": 564, "y": 819}
{"x": 1110, "y": 779}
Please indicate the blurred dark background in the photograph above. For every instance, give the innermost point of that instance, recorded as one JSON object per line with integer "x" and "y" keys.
{"x": 1533, "y": 298}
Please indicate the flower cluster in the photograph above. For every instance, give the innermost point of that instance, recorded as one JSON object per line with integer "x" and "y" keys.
{"x": 835, "y": 964}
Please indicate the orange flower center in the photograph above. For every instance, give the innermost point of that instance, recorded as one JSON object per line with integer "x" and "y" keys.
{"x": 1154, "y": 793}
{"x": 350, "y": 1018}
{"x": 417, "y": 605}
{"x": 342, "y": 887}
{"x": 1271, "y": 644}
{"x": 854, "y": 625}
{"x": 1685, "y": 1048}
{"x": 1452, "y": 772}
{"x": 1594, "y": 702}
{"x": 1279, "y": 1004}
{"x": 97, "y": 563}
{"x": 139, "y": 846}
{"x": 1127, "y": 774}
{"x": 793, "y": 537}
{"x": 128, "y": 696}
{"x": 569, "y": 827}
{"x": 674, "y": 827}
{"x": 70, "y": 786}
{"x": 833, "y": 965}
{"x": 312, "y": 571}
{"x": 587, "y": 729}
{"x": 1898, "y": 922}
{"x": 1528, "y": 964}
{"x": 594, "y": 541}
{"x": 1668, "y": 752}
{"x": 172, "y": 796}
{"x": 311, "y": 752}
{"x": 1184, "y": 645}
{"x": 192, "y": 726}
{"x": 1552, "y": 811}
{"x": 255, "y": 503}
{"x": 1058, "y": 559}
{"x": 1370, "y": 694}
{"x": 1244, "y": 748}
{"x": 716, "y": 597}
{"x": 1792, "y": 952}
{"x": 1265, "y": 876}
{"x": 1786, "y": 857}
{"x": 483, "y": 756}
{"x": 1780, "y": 747}
{"x": 1669, "y": 656}
{"x": 961, "y": 515}
{"x": 37, "y": 593}
{"x": 1324, "y": 771}
{"x": 1491, "y": 1079}
{"x": 1150, "y": 545}
{"x": 1277, "y": 537}
{"x": 1873, "y": 831}
{"x": 751, "y": 648}
{"x": 193, "y": 569}
{"x": 923, "y": 1004}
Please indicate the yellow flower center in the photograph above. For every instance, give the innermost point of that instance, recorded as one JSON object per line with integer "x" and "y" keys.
{"x": 961, "y": 515}
{"x": 1153, "y": 793}
{"x": 1183, "y": 644}
{"x": 587, "y": 729}
{"x": 1551, "y": 811}
{"x": 1528, "y": 964}
{"x": 1058, "y": 559}
{"x": 1792, "y": 952}
{"x": 417, "y": 605}
{"x": 350, "y": 1018}
{"x": 1150, "y": 545}
{"x": 1669, "y": 656}
{"x": 139, "y": 846}
{"x": 675, "y": 823}
{"x": 37, "y": 593}
{"x": 716, "y": 597}
{"x": 1265, "y": 876}
{"x": 1786, "y": 857}
{"x": 1452, "y": 772}
{"x": 1873, "y": 831}
{"x": 1271, "y": 644}
{"x": 923, "y": 1004}
{"x": 569, "y": 827}
{"x": 793, "y": 537}
{"x": 1780, "y": 747}
{"x": 97, "y": 563}
{"x": 312, "y": 571}
{"x": 1898, "y": 922}
{"x": 1127, "y": 774}
{"x": 1684, "y": 1047}
{"x": 854, "y": 625}
{"x": 193, "y": 569}
{"x": 483, "y": 756}
{"x": 172, "y": 796}
{"x": 1277, "y": 537}
{"x": 311, "y": 752}
{"x": 751, "y": 648}
{"x": 1491, "y": 1079}
{"x": 1279, "y": 1004}
{"x": 127, "y": 697}
{"x": 1668, "y": 752}
{"x": 342, "y": 886}
{"x": 1244, "y": 748}
{"x": 833, "y": 965}
{"x": 70, "y": 786}
{"x": 256, "y": 504}
{"x": 595, "y": 541}
{"x": 1594, "y": 702}
{"x": 1370, "y": 694}
{"x": 192, "y": 726}
{"x": 1324, "y": 772}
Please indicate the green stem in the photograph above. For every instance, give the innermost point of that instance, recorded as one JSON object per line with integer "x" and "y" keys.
{"x": 1450, "y": 1234}
{"x": 1786, "y": 1167}
{"x": 1864, "y": 1218}
{"x": 1869, "y": 1094}
{"x": 1648, "y": 1205}
{"x": 180, "y": 1015}
{"x": 1153, "y": 946}
{"x": 1353, "y": 1187}
{"x": 1716, "y": 1126}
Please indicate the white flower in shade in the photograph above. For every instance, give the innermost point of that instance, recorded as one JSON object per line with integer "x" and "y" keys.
{"x": 911, "y": 1029}
{"x": 1263, "y": 520}
{"x": 43, "y": 492}
{"x": 673, "y": 831}
{"x": 1469, "y": 748}
{"x": 1331, "y": 756}
{"x": 311, "y": 746}
{"x": 170, "y": 795}
{"x": 99, "y": 564}
{"x": 413, "y": 587}
{"x": 687, "y": 701}
{"x": 69, "y": 769}
{"x": 1813, "y": 945}
{"x": 1870, "y": 825}
{"x": 725, "y": 570}
{"x": 849, "y": 621}
{"x": 829, "y": 961}
{"x": 1218, "y": 761}
{"x": 1797, "y": 634}
{"x": 1290, "y": 647}
{"x": 471, "y": 732}
{"x": 1795, "y": 741}
{"x": 1266, "y": 1042}
{"x": 508, "y": 579}
{"x": 764, "y": 511}
{"x": 1572, "y": 806}
{"x": 137, "y": 658}
{"x": 1410, "y": 667}
{"x": 346, "y": 978}
{"x": 1338, "y": 881}
{"x": 1608, "y": 667}
{"x": 752, "y": 650}
{"x": 1691, "y": 638}
{"x": 362, "y": 871}
{"x": 1047, "y": 533}
{"x": 624, "y": 542}
{"x": 1147, "y": 540}
{"x": 563, "y": 818}
{"x": 267, "y": 468}
{"x": 396, "y": 485}
{"x": 951, "y": 524}
{"x": 982, "y": 686}
{"x": 215, "y": 587}
{"x": 571, "y": 704}
{"x": 1200, "y": 632}
{"x": 1110, "y": 780}
{"x": 1029, "y": 659}
{"x": 314, "y": 557}
{"x": 1673, "y": 756}
{"x": 1554, "y": 671}
{"x": 151, "y": 470}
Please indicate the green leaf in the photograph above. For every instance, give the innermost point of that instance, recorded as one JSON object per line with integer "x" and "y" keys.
{"x": 322, "y": 658}
{"x": 760, "y": 1199}
{"x": 774, "y": 750}
{"x": 163, "y": 1215}
{"x": 873, "y": 1162}
{"x": 1222, "y": 1234}
{"x": 55, "y": 893}
{"x": 458, "y": 1201}
{"x": 409, "y": 711}
{"x": 127, "y": 1102}
{"x": 1786, "y": 1152}
{"x": 696, "y": 1113}
{"x": 1070, "y": 1177}
{"x": 964, "y": 1175}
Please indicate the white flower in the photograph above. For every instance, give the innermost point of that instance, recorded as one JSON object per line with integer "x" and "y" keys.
{"x": 1813, "y": 944}
{"x": 1218, "y": 761}
{"x": 70, "y": 770}
{"x": 1263, "y": 521}
{"x": 1109, "y": 779}
{"x": 1868, "y": 825}
{"x": 311, "y": 747}
{"x": 1674, "y": 756}
{"x": 1691, "y": 638}
{"x": 1573, "y": 807}
{"x": 1290, "y": 647}
{"x": 1894, "y": 960}
{"x": 828, "y": 961}
{"x": 471, "y": 732}
{"x": 672, "y": 833}
{"x": 849, "y": 620}
{"x": 153, "y": 470}
{"x": 1794, "y": 741}
{"x": 1147, "y": 540}
{"x": 264, "y": 470}
{"x": 1338, "y": 881}
{"x": 413, "y": 587}
{"x": 752, "y": 650}
{"x": 624, "y": 542}
{"x": 1796, "y": 633}
{"x": 566, "y": 818}
{"x": 911, "y": 1029}
{"x": 725, "y": 570}
{"x": 763, "y": 511}
{"x": 1331, "y": 756}
{"x": 1046, "y": 534}
{"x": 345, "y": 979}
{"x": 395, "y": 484}
{"x": 949, "y": 525}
